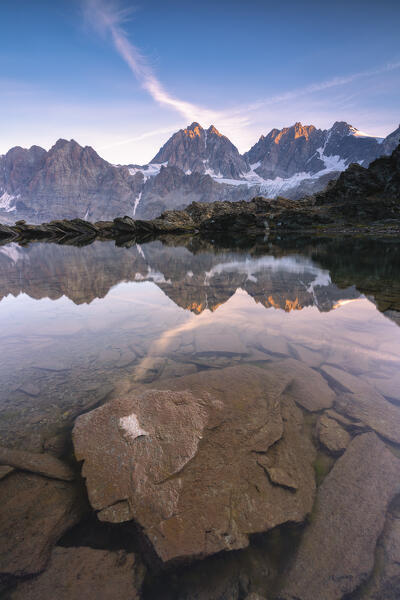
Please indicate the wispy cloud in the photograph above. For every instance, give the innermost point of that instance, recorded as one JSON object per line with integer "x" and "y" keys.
{"x": 320, "y": 86}
{"x": 108, "y": 18}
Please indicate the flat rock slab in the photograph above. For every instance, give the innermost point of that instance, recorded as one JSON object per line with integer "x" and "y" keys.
{"x": 85, "y": 573}
{"x": 182, "y": 460}
{"x": 349, "y": 424}
{"x": 373, "y": 410}
{"x": 349, "y": 382}
{"x": 273, "y": 344}
{"x": 307, "y": 387}
{"x": 34, "y": 514}
{"x": 388, "y": 386}
{"x": 226, "y": 341}
{"x": 30, "y": 389}
{"x": 5, "y": 470}
{"x": 50, "y": 364}
{"x": 312, "y": 358}
{"x": 331, "y": 435}
{"x": 42, "y": 464}
{"x": 385, "y": 582}
{"x": 336, "y": 553}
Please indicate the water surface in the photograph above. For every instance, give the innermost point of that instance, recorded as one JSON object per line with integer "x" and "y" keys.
{"x": 76, "y": 322}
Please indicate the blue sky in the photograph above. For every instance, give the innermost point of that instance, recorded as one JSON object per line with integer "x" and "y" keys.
{"x": 124, "y": 76}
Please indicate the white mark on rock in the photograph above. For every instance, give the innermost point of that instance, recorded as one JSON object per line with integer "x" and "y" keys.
{"x": 131, "y": 428}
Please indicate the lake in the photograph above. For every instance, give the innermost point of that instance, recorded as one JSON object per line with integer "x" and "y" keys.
{"x": 313, "y": 324}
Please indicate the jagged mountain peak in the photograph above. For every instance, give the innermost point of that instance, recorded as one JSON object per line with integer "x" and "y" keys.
{"x": 195, "y": 129}
{"x": 342, "y": 128}
{"x": 73, "y": 152}
{"x": 196, "y": 150}
{"x": 194, "y": 164}
{"x": 295, "y": 131}
{"x": 212, "y": 130}
{"x": 62, "y": 143}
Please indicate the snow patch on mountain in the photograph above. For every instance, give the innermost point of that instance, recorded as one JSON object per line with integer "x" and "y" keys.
{"x": 136, "y": 204}
{"x": 277, "y": 186}
{"x": 332, "y": 163}
{"x": 150, "y": 170}
{"x": 5, "y": 202}
{"x": 357, "y": 133}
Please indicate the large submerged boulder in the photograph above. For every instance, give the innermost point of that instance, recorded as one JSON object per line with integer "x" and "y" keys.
{"x": 202, "y": 462}
{"x": 34, "y": 514}
{"x": 337, "y": 550}
{"x": 76, "y": 573}
{"x": 385, "y": 581}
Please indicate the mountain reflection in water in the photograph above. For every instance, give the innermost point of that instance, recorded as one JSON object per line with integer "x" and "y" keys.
{"x": 117, "y": 312}
{"x": 76, "y": 323}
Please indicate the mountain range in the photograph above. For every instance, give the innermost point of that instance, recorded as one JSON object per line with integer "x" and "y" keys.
{"x": 195, "y": 164}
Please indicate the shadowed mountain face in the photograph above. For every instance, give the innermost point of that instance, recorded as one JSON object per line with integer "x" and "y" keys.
{"x": 287, "y": 279}
{"x": 305, "y": 149}
{"x": 195, "y": 164}
{"x": 67, "y": 180}
{"x": 195, "y": 149}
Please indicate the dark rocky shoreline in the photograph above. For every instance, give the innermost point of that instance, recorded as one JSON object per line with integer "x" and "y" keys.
{"x": 362, "y": 200}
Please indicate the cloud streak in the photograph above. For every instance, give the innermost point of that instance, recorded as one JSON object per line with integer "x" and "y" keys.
{"x": 321, "y": 86}
{"x": 107, "y": 18}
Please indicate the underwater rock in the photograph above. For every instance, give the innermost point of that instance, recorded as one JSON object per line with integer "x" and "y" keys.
{"x": 385, "y": 582}
{"x": 184, "y": 464}
{"x": 307, "y": 388}
{"x": 76, "y": 573}
{"x": 5, "y": 470}
{"x": 34, "y": 514}
{"x": 42, "y": 464}
{"x": 331, "y": 435}
{"x": 373, "y": 410}
{"x": 336, "y": 553}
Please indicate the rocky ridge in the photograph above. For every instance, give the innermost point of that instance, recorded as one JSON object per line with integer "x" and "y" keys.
{"x": 196, "y": 164}
{"x": 360, "y": 196}
{"x": 195, "y": 149}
